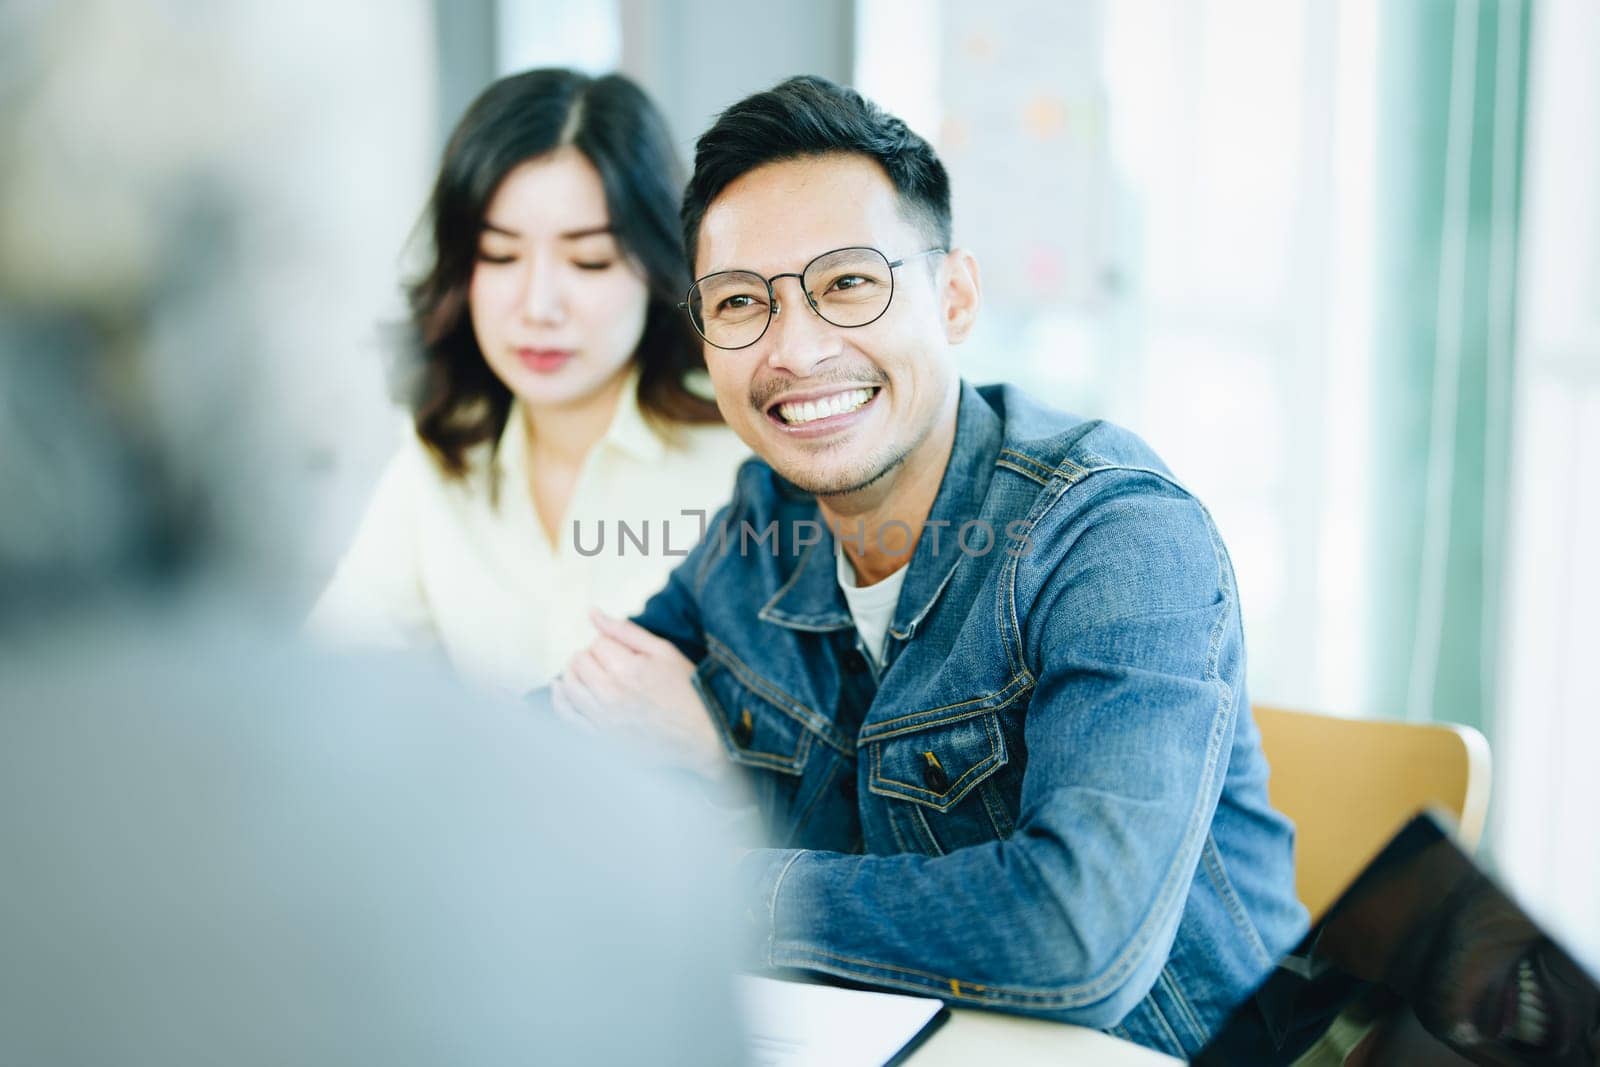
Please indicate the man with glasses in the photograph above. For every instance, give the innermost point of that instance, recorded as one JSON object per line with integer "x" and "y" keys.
{"x": 979, "y": 662}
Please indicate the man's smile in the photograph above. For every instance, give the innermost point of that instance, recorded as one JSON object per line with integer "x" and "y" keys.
{"x": 818, "y": 412}
{"x": 797, "y": 408}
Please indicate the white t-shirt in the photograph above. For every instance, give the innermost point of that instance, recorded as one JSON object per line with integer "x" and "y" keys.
{"x": 872, "y": 606}
{"x": 439, "y": 562}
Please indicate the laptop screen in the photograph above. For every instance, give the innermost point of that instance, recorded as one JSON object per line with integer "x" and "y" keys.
{"x": 1422, "y": 961}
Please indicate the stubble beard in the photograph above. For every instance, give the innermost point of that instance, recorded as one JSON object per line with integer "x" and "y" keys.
{"x": 869, "y": 474}
{"x": 849, "y": 482}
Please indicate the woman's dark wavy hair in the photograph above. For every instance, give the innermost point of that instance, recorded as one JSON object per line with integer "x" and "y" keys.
{"x": 458, "y": 401}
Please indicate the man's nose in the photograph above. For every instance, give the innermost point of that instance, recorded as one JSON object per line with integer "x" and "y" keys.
{"x": 543, "y": 300}
{"x": 798, "y": 338}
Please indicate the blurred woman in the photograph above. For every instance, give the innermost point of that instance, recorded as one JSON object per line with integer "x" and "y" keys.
{"x": 556, "y": 403}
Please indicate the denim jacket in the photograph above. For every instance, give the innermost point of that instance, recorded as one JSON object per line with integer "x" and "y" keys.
{"x": 1051, "y": 798}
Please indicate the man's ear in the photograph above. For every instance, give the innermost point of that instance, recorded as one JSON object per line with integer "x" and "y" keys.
{"x": 962, "y": 293}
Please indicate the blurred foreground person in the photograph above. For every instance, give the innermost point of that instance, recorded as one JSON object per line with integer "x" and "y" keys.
{"x": 219, "y": 847}
{"x": 221, "y": 851}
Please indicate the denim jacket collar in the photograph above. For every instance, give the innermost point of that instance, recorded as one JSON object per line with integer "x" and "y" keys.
{"x": 811, "y": 599}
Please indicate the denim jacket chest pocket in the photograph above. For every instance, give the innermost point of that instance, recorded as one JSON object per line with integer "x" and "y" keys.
{"x": 937, "y": 782}
{"x": 776, "y": 737}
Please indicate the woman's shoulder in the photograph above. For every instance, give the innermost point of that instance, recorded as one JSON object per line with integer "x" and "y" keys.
{"x": 706, "y": 442}
{"x": 415, "y": 469}
{"x": 704, "y": 434}
{"x": 701, "y": 459}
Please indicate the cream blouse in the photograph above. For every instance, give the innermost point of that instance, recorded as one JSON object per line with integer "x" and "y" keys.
{"x": 446, "y": 563}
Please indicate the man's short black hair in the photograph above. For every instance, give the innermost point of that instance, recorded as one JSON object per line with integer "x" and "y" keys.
{"x": 812, "y": 116}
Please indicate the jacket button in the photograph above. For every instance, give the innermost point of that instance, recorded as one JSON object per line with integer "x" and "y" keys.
{"x": 744, "y": 730}
{"x": 933, "y": 773}
{"x": 854, "y": 661}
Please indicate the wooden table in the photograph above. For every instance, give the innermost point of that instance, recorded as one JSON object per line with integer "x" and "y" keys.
{"x": 970, "y": 1037}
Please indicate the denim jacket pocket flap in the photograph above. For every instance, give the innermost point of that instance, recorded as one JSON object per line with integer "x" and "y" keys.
{"x": 755, "y": 731}
{"x": 936, "y": 766}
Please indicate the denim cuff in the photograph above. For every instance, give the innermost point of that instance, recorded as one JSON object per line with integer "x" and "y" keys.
{"x": 759, "y": 879}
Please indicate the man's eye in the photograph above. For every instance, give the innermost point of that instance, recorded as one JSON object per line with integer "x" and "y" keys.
{"x": 848, "y": 281}
{"x": 736, "y": 303}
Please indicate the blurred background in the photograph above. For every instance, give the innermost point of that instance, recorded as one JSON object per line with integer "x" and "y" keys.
{"x": 1338, "y": 260}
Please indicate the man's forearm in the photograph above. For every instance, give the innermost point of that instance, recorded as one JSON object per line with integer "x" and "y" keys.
{"x": 1021, "y": 925}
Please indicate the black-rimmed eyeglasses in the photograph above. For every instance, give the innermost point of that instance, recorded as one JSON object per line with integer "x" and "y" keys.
{"x": 847, "y": 287}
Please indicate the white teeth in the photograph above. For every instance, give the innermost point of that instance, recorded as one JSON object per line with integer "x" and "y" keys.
{"x": 811, "y": 410}
{"x": 1533, "y": 1021}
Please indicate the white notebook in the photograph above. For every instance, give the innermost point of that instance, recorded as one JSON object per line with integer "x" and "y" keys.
{"x": 793, "y": 1024}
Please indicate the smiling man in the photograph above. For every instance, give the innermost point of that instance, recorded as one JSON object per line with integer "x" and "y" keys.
{"x": 979, "y": 661}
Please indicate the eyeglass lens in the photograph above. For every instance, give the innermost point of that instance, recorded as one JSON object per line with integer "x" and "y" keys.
{"x": 850, "y": 287}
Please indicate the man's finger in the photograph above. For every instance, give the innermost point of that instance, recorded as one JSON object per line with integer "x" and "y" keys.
{"x": 621, "y": 663}
{"x": 630, "y": 634}
{"x": 588, "y": 671}
{"x": 567, "y": 698}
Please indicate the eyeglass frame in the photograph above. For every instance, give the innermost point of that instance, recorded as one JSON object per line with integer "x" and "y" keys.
{"x": 775, "y": 307}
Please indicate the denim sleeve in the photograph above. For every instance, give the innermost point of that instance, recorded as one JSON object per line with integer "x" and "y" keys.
{"x": 1130, "y": 626}
{"x": 674, "y": 611}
